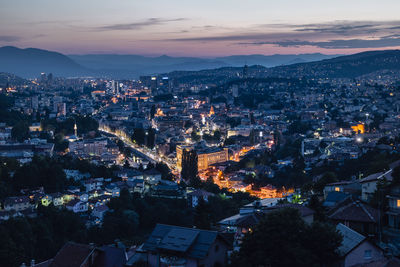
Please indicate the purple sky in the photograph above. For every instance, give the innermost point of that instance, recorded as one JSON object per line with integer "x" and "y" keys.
{"x": 204, "y": 28}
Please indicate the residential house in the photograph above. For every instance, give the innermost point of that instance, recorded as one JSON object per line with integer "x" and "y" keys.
{"x": 77, "y": 206}
{"x": 46, "y": 200}
{"x": 112, "y": 189}
{"x": 393, "y": 212}
{"x": 129, "y": 175}
{"x": 98, "y": 201}
{"x": 356, "y": 215}
{"x": 351, "y": 187}
{"x": 179, "y": 246}
{"x": 369, "y": 184}
{"x": 152, "y": 176}
{"x": 356, "y": 249}
{"x": 68, "y": 196}
{"x": 17, "y": 203}
{"x": 81, "y": 255}
{"x": 136, "y": 186}
{"x": 99, "y": 211}
{"x": 58, "y": 199}
{"x": 93, "y": 184}
{"x": 195, "y": 196}
{"x": 83, "y": 196}
{"x": 76, "y": 175}
{"x": 166, "y": 189}
{"x": 259, "y": 205}
{"x": 96, "y": 193}
{"x": 333, "y": 198}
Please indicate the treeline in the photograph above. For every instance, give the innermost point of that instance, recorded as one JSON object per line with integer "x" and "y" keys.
{"x": 282, "y": 238}
{"x": 130, "y": 218}
{"x": 46, "y": 172}
{"x": 24, "y": 239}
{"x": 85, "y": 124}
{"x": 11, "y": 117}
{"x": 147, "y": 137}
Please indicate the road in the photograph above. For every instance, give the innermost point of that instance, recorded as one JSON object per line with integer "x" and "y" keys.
{"x": 147, "y": 153}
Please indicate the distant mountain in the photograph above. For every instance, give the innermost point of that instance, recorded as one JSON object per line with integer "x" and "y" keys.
{"x": 128, "y": 65}
{"x": 30, "y": 62}
{"x": 272, "y": 60}
{"x": 350, "y": 66}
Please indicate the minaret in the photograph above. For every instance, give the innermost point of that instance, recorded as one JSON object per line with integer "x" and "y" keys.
{"x": 76, "y": 130}
{"x": 245, "y": 71}
{"x": 212, "y": 112}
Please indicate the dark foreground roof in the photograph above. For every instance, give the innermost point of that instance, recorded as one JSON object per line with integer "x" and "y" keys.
{"x": 354, "y": 210}
{"x": 194, "y": 243}
{"x": 71, "y": 255}
{"x": 351, "y": 239}
{"x": 110, "y": 257}
{"x": 76, "y": 255}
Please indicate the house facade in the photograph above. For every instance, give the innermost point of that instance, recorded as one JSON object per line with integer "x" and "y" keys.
{"x": 356, "y": 249}
{"x": 393, "y": 212}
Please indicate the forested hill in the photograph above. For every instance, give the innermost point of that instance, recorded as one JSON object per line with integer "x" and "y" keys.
{"x": 342, "y": 67}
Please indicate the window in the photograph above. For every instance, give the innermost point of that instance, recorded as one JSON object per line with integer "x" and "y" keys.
{"x": 367, "y": 254}
{"x": 398, "y": 203}
{"x": 337, "y": 189}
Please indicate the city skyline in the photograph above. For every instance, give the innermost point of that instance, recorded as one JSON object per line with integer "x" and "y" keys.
{"x": 205, "y": 29}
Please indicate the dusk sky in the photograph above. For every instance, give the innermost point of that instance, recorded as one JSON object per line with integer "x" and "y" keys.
{"x": 204, "y": 28}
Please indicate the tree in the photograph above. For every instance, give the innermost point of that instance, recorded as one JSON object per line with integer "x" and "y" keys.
{"x": 284, "y": 239}
{"x": 151, "y": 138}
{"x": 189, "y": 165}
{"x": 217, "y": 135}
{"x": 152, "y": 111}
{"x": 327, "y": 178}
{"x": 316, "y": 205}
{"x": 20, "y": 131}
{"x": 396, "y": 175}
{"x": 202, "y": 215}
{"x": 42, "y": 171}
{"x": 195, "y": 137}
{"x": 252, "y": 137}
{"x": 298, "y": 126}
{"x": 164, "y": 170}
{"x": 139, "y": 136}
{"x": 252, "y": 120}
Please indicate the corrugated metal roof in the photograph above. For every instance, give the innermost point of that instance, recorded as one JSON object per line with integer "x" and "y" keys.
{"x": 178, "y": 239}
{"x": 194, "y": 243}
{"x": 351, "y": 239}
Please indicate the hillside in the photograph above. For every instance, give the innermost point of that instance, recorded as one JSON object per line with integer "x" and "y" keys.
{"x": 342, "y": 67}
{"x": 30, "y": 62}
{"x": 135, "y": 65}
